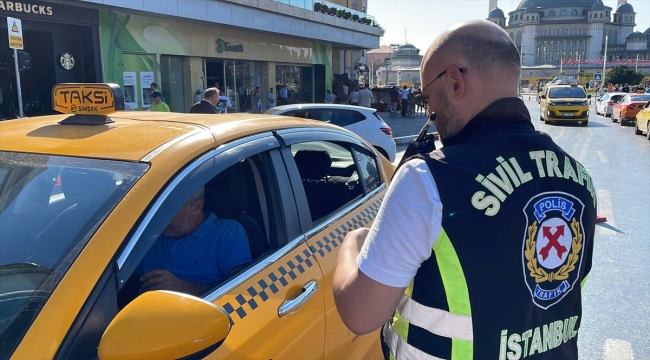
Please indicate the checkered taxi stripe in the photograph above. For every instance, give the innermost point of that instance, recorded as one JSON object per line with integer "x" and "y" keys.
{"x": 245, "y": 303}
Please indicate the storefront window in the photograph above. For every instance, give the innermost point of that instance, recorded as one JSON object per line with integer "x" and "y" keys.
{"x": 298, "y": 81}
{"x": 172, "y": 86}
{"x": 248, "y": 75}
{"x": 237, "y": 80}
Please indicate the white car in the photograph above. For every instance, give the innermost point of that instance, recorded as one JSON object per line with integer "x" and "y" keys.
{"x": 360, "y": 120}
{"x": 605, "y": 104}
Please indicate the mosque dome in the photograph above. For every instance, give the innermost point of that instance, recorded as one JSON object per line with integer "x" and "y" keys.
{"x": 625, "y": 8}
{"x": 525, "y": 4}
{"x": 598, "y": 5}
{"x": 496, "y": 13}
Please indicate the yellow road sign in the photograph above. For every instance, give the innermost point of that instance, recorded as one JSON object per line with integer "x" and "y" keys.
{"x": 15, "y": 30}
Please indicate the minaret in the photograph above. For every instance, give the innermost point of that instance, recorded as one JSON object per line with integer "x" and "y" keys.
{"x": 493, "y": 4}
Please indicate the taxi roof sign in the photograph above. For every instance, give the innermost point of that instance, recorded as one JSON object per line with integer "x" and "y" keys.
{"x": 87, "y": 99}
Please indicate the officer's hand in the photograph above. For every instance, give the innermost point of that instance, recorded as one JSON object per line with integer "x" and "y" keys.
{"x": 358, "y": 235}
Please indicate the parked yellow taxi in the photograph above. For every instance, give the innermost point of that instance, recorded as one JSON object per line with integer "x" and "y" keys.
{"x": 564, "y": 103}
{"x": 642, "y": 124}
{"x": 86, "y": 195}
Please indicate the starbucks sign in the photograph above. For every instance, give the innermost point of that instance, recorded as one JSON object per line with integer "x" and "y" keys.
{"x": 67, "y": 61}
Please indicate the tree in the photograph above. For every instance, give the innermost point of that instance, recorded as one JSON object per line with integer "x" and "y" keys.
{"x": 584, "y": 77}
{"x": 623, "y": 75}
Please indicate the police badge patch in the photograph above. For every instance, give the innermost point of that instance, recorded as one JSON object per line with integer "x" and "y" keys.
{"x": 552, "y": 251}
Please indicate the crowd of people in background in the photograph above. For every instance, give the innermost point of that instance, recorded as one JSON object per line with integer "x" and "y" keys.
{"x": 215, "y": 101}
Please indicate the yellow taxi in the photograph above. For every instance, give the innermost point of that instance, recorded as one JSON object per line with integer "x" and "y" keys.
{"x": 87, "y": 196}
{"x": 564, "y": 103}
{"x": 642, "y": 124}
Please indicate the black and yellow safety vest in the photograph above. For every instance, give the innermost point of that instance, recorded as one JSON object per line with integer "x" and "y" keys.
{"x": 504, "y": 278}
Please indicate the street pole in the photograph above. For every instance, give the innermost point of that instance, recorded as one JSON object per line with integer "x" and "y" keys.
{"x": 386, "y": 84}
{"x": 578, "y": 68}
{"x": 20, "y": 92}
{"x": 605, "y": 58}
{"x": 636, "y": 67}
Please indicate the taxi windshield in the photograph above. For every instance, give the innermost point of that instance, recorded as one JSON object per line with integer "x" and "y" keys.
{"x": 49, "y": 207}
{"x": 566, "y": 92}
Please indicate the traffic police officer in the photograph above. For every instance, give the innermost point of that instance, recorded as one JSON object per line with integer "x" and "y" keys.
{"x": 480, "y": 248}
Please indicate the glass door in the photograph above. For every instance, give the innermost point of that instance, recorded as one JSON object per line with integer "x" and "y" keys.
{"x": 171, "y": 83}
{"x": 231, "y": 83}
{"x": 248, "y": 77}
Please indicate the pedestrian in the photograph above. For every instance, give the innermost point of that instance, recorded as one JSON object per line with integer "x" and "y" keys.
{"x": 365, "y": 96}
{"x": 601, "y": 91}
{"x": 411, "y": 99}
{"x": 394, "y": 98}
{"x": 223, "y": 104}
{"x": 480, "y": 248}
{"x": 354, "y": 97}
{"x": 284, "y": 93}
{"x": 243, "y": 98}
{"x": 625, "y": 88}
{"x": 329, "y": 97}
{"x": 154, "y": 88}
{"x": 405, "y": 101}
{"x": 157, "y": 103}
{"x": 197, "y": 96}
{"x": 208, "y": 104}
{"x": 270, "y": 99}
{"x": 257, "y": 102}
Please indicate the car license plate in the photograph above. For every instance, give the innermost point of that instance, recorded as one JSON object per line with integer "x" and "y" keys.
{"x": 567, "y": 114}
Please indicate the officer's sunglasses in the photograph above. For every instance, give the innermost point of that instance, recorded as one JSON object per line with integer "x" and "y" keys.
{"x": 462, "y": 70}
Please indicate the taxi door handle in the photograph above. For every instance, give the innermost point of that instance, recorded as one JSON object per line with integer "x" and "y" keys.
{"x": 290, "y": 306}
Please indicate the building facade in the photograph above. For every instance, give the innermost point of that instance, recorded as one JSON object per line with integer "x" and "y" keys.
{"x": 552, "y": 31}
{"x": 181, "y": 45}
{"x": 61, "y": 44}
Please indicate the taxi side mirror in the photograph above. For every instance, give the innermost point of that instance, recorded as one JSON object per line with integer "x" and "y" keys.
{"x": 543, "y": 96}
{"x": 588, "y": 96}
{"x": 165, "y": 325}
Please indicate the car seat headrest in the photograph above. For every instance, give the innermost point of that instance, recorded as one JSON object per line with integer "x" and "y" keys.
{"x": 313, "y": 164}
{"x": 226, "y": 195}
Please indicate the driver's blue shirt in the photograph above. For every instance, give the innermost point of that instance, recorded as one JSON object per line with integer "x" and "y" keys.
{"x": 205, "y": 256}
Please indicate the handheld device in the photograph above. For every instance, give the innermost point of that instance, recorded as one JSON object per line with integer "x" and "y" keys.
{"x": 424, "y": 143}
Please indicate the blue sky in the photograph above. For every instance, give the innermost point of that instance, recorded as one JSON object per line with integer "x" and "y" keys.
{"x": 425, "y": 19}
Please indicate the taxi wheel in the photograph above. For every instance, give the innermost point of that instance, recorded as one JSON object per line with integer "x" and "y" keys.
{"x": 612, "y": 117}
{"x": 621, "y": 122}
{"x": 636, "y": 129}
{"x": 584, "y": 123}
{"x": 647, "y": 130}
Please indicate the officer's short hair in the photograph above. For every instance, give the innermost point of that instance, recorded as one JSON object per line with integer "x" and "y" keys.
{"x": 210, "y": 93}
{"x": 480, "y": 52}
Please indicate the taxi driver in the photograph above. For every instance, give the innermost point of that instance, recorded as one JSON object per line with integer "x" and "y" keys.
{"x": 195, "y": 252}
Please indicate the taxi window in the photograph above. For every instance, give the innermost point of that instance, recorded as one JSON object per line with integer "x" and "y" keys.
{"x": 369, "y": 169}
{"x": 566, "y": 92}
{"x": 329, "y": 176}
{"x": 49, "y": 207}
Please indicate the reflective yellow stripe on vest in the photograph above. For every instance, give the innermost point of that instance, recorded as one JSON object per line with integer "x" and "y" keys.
{"x": 455, "y": 323}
